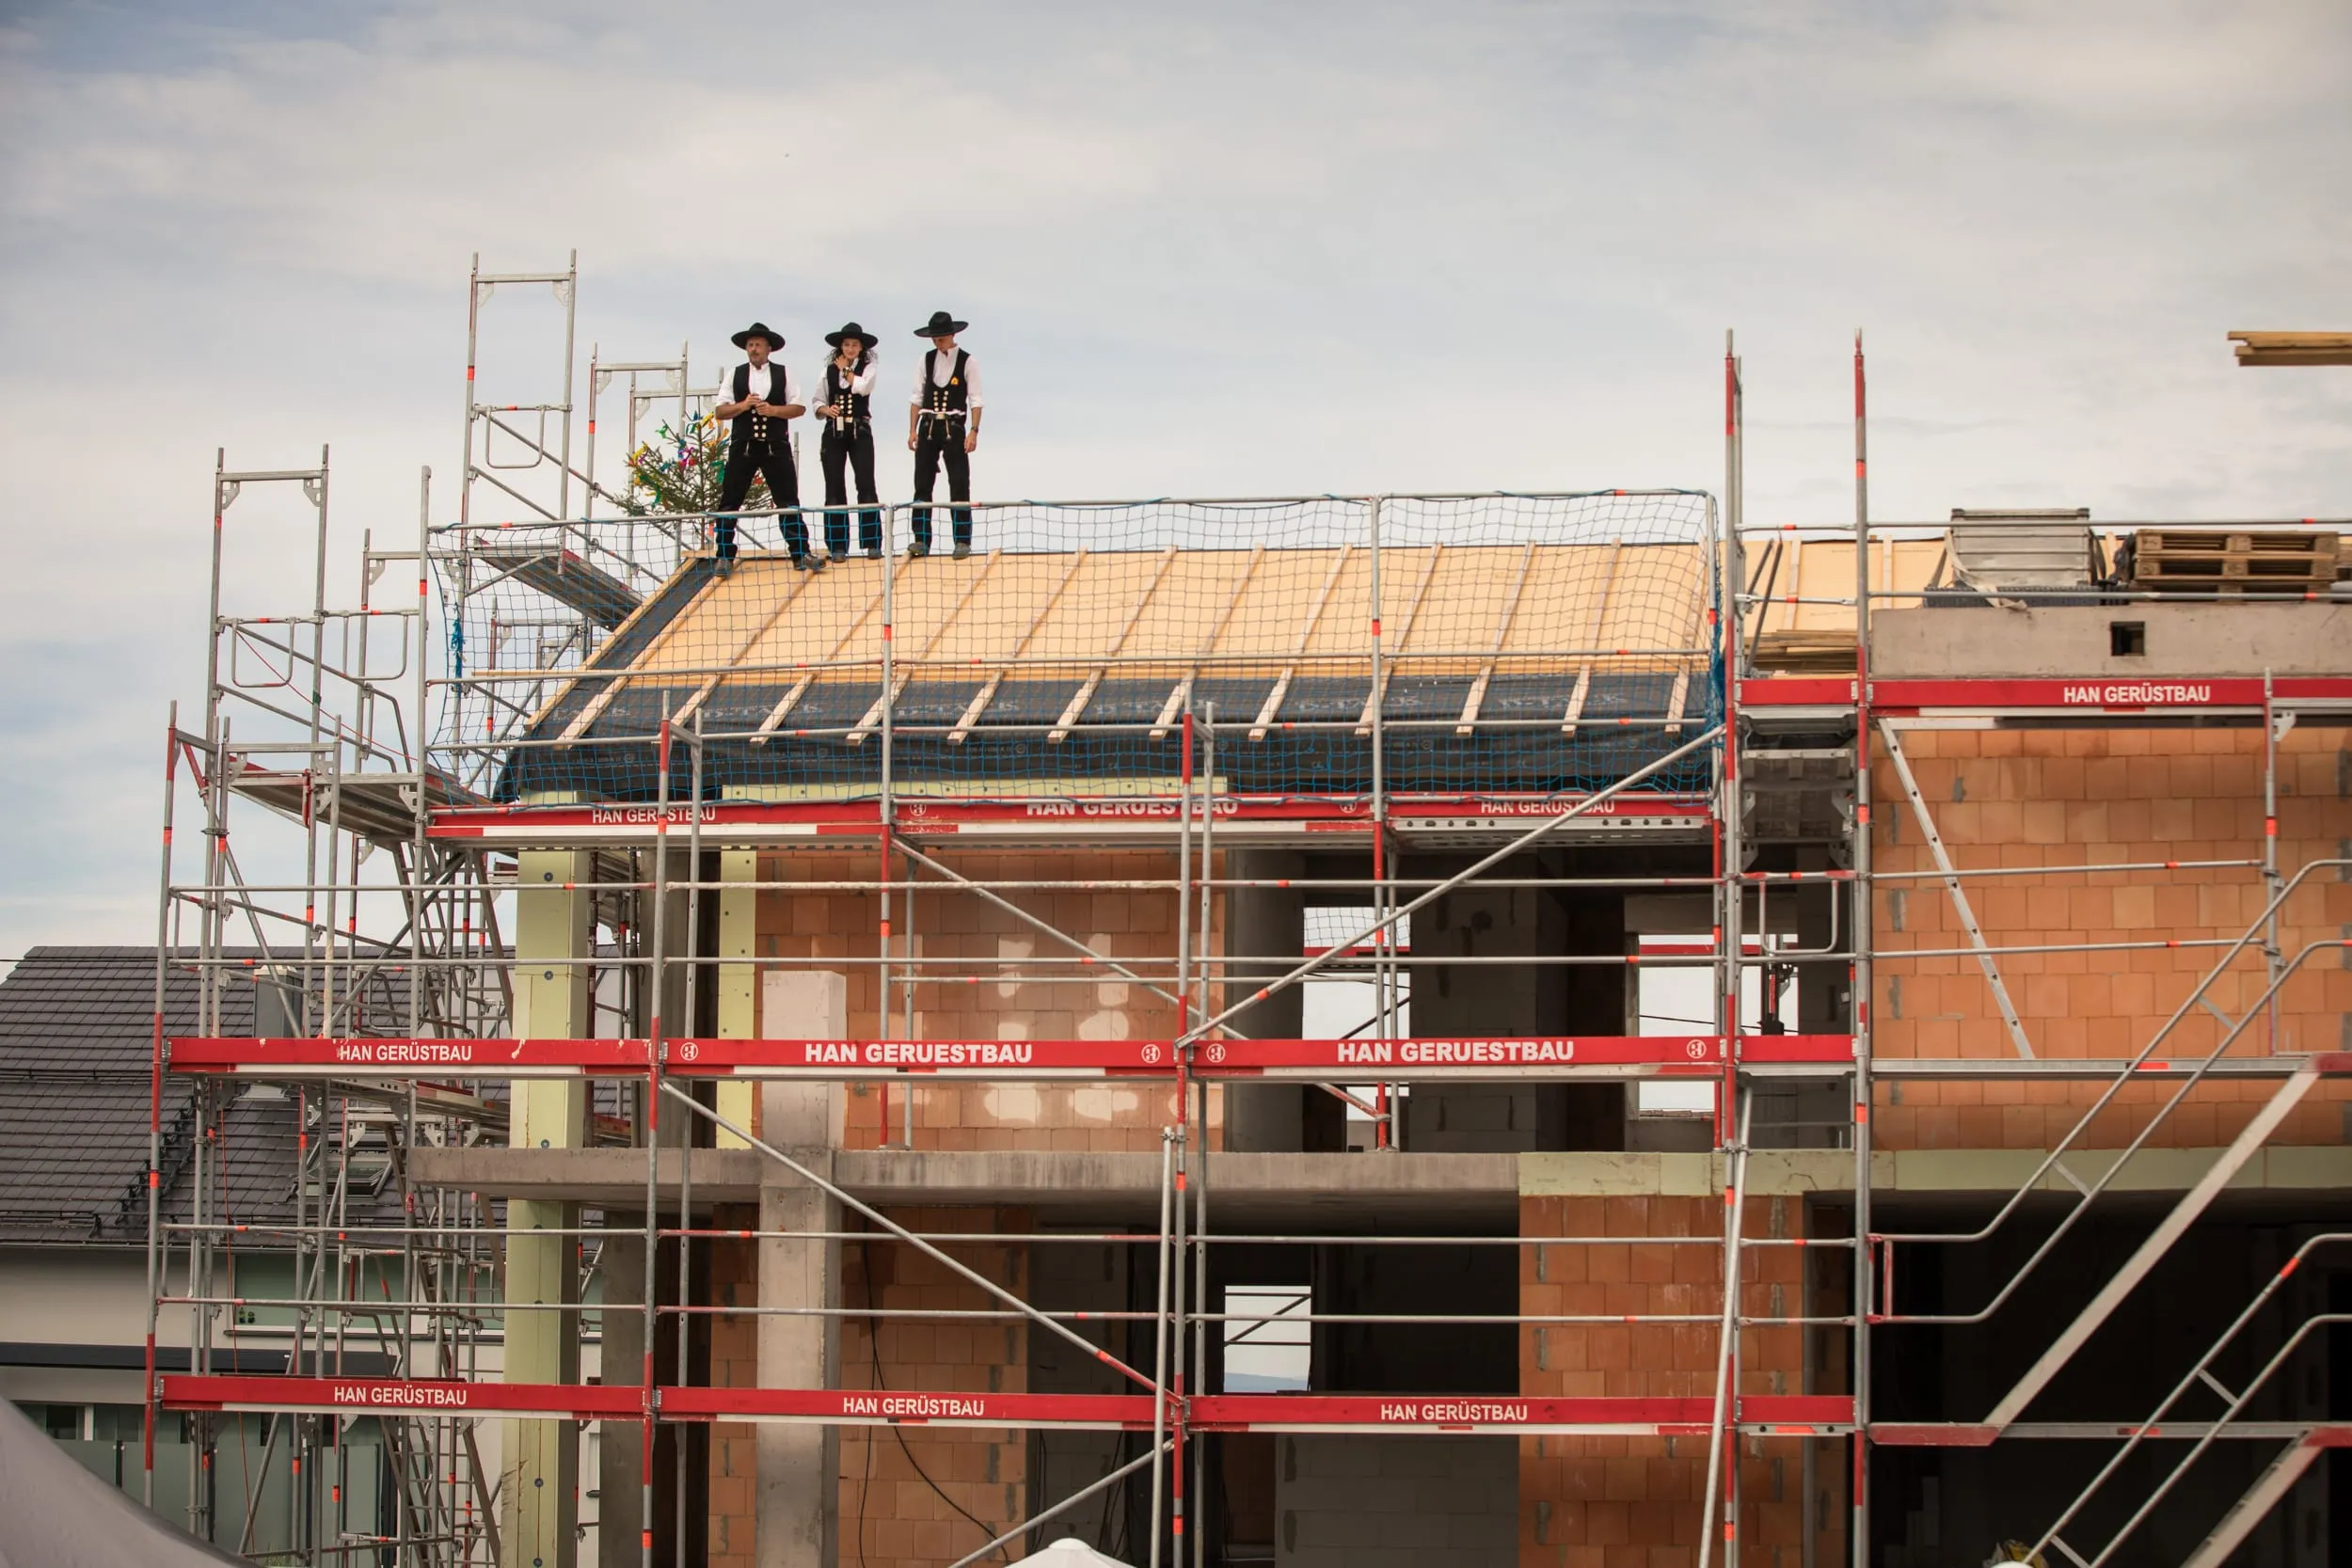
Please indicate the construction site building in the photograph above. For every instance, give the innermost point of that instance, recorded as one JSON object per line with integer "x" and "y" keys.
{"x": 1257, "y": 1031}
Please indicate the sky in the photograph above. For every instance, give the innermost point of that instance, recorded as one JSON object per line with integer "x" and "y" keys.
{"x": 1209, "y": 249}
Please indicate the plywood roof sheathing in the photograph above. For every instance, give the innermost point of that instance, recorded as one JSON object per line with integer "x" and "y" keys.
{"x": 595, "y": 706}
{"x": 589, "y": 669}
{"x": 1404, "y": 635}
{"x": 1306, "y": 634}
{"x": 872, "y": 720}
{"x": 978, "y": 704}
{"x": 1680, "y": 702}
{"x": 791, "y": 699}
{"x": 702, "y": 692}
{"x": 1802, "y": 616}
{"x": 1175, "y": 703}
{"x": 1086, "y": 688}
{"x": 1469, "y": 721}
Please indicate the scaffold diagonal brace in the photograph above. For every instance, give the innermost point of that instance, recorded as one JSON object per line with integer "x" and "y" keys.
{"x": 850, "y": 1201}
{"x": 1959, "y": 899}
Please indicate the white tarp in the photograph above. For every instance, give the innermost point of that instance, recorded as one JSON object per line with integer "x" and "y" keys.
{"x": 53, "y": 1514}
{"x": 1071, "y": 1552}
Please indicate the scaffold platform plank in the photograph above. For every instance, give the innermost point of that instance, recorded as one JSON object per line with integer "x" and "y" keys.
{"x": 380, "y": 807}
{"x": 1589, "y": 1055}
{"x": 567, "y": 579}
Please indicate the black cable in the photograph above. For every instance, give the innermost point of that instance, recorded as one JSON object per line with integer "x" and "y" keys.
{"x": 866, "y": 1483}
{"x": 873, "y": 1344}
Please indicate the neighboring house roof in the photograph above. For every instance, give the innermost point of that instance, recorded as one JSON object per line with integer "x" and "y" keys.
{"x": 76, "y": 1044}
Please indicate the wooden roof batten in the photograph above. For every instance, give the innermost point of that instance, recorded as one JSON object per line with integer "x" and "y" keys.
{"x": 1467, "y": 722}
{"x": 791, "y": 699}
{"x": 1092, "y": 620}
{"x": 986, "y": 693}
{"x": 872, "y": 720}
{"x": 620, "y": 675}
{"x": 1183, "y": 691}
{"x": 1086, "y": 688}
{"x": 1600, "y": 617}
{"x": 1273, "y": 703}
{"x": 1404, "y": 639}
{"x": 711, "y": 682}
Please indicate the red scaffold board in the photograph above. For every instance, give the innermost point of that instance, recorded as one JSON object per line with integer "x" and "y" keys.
{"x": 2084, "y": 694}
{"x": 1091, "y": 817}
{"x": 1504, "y": 1413}
{"x": 393, "y": 1396}
{"x": 1582, "y": 1055}
{"x": 1465, "y": 1413}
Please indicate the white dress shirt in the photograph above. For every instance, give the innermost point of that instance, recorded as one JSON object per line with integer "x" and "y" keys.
{"x": 860, "y": 385}
{"x": 762, "y": 384}
{"x": 944, "y": 369}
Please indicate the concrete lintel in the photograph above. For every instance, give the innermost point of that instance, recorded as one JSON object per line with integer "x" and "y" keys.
{"x": 602, "y": 1178}
{"x": 1241, "y": 1185}
{"x": 1251, "y": 1186}
{"x": 1771, "y": 1173}
{"x": 1922, "y": 1172}
{"x": 2244, "y": 638}
{"x": 1257, "y": 1187}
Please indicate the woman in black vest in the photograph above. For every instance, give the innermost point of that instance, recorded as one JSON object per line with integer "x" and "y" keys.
{"x": 845, "y": 401}
{"x": 761, "y": 403}
{"x": 943, "y": 425}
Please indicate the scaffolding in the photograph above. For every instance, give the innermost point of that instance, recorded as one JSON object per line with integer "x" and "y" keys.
{"x": 1476, "y": 678}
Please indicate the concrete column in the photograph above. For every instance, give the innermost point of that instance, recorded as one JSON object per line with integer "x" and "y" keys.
{"x": 1822, "y": 988}
{"x": 799, "y": 1467}
{"x": 620, "y": 1457}
{"x": 739, "y": 983}
{"x": 1271, "y": 925}
{"x": 541, "y": 1491}
{"x": 1513, "y": 999}
{"x": 1814, "y": 1110}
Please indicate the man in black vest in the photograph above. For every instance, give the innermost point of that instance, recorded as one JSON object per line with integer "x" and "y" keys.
{"x": 944, "y": 423}
{"x": 760, "y": 402}
{"x": 845, "y": 401}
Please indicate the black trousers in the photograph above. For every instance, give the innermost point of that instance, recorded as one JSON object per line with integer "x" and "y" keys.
{"x": 775, "y": 465}
{"x": 942, "y": 440}
{"x": 840, "y": 453}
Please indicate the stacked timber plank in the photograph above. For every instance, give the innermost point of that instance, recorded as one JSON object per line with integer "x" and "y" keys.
{"x": 2207, "y": 560}
{"x": 1799, "y": 617}
{"x": 2292, "y": 348}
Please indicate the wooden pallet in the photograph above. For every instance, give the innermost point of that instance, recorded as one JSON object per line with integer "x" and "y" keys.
{"x": 2211, "y": 562}
{"x": 1827, "y": 651}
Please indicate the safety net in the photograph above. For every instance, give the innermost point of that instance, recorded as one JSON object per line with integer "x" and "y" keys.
{"x": 1481, "y": 643}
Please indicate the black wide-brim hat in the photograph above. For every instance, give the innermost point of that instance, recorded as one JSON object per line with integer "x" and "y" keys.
{"x": 852, "y": 330}
{"x": 759, "y": 329}
{"x": 941, "y": 325}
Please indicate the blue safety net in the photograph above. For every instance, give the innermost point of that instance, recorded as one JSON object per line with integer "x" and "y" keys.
{"x": 1524, "y": 644}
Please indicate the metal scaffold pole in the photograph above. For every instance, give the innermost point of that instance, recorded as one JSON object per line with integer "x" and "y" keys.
{"x": 1159, "y": 1344}
{"x": 1861, "y": 1001}
{"x": 655, "y": 1031}
{"x": 156, "y": 1258}
{"x": 1732, "y": 1111}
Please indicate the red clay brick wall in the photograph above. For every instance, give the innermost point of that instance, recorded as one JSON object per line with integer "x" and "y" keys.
{"x": 2079, "y": 797}
{"x": 1635, "y": 1502}
{"x": 734, "y": 1364}
{"x": 903, "y": 1520}
{"x": 1123, "y": 924}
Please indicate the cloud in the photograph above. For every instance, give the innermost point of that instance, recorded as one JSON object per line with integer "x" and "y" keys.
{"x": 1219, "y": 249}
